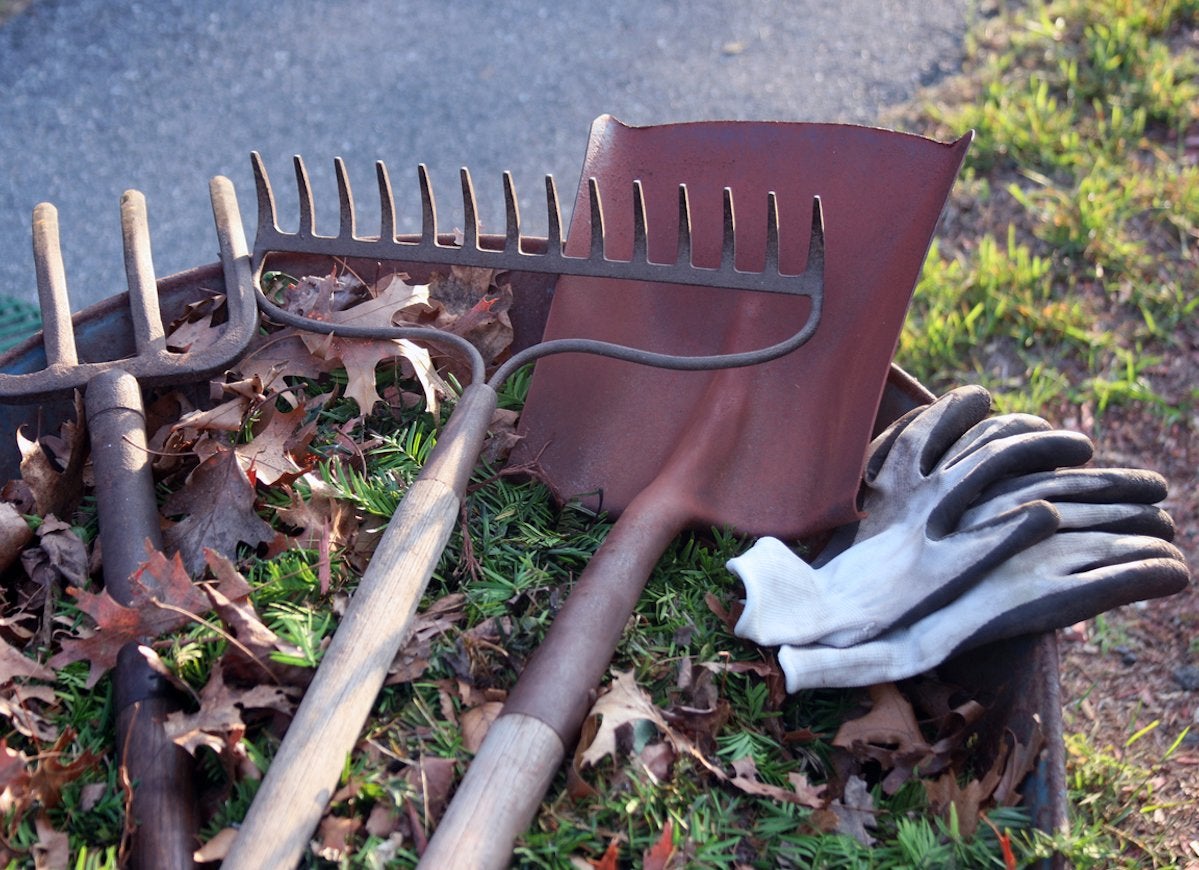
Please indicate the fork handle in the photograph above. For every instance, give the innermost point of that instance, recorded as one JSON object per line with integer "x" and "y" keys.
{"x": 304, "y": 773}
{"x": 163, "y": 805}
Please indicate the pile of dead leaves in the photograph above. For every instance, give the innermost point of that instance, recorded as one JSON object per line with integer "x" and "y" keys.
{"x": 222, "y": 463}
{"x": 247, "y": 469}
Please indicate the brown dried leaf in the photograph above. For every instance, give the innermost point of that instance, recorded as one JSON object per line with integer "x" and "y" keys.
{"x": 51, "y": 774}
{"x": 218, "y": 501}
{"x": 746, "y": 779}
{"x": 52, "y": 849}
{"x": 334, "y": 835}
{"x": 279, "y": 436}
{"x": 623, "y": 704}
{"x": 855, "y": 811}
{"x": 14, "y": 664}
{"x": 15, "y": 534}
{"x": 22, "y": 706}
{"x": 157, "y": 580}
{"x": 889, "y": 731}
{"x": 219, "y": 719}
{"x": 658, "y": 856}
{"x": 432, "y": 777}
{"x": 60, "y": 557}
{"x": 56, "y": 492}
{"x": 476, "y": 721}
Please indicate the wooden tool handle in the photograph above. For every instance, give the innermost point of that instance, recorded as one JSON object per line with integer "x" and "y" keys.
{"x": 512, "y": 770}
{"x": 507, "y": 780}
{"x": 305, "y": 771}
{"x": 163, "y": 808}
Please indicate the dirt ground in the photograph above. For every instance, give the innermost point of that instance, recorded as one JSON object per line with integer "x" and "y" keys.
{"x": 1140, "y": 664}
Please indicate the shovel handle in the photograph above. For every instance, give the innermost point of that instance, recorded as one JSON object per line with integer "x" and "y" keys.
{"x": 304, "y": 773}
{"x": 508, "y": 777}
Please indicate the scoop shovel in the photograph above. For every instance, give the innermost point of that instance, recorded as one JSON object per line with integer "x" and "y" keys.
{"x": 773, "y": 449}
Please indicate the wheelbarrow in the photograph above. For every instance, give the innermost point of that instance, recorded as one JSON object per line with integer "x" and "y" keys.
{"x": 1008, "y": 690}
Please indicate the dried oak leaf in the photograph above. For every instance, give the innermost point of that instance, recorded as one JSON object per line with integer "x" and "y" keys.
{"x": 219, "y": 719}
{"x": 14, "y": 664}
{"x": 56, "y": 492}
{"x": 218, "y": 501}
{"x": 801, "y": 791}
{"x": 360, "y": 357}
{"x": 163, "y": 597}
{"x": 278, "y": 438}
{"x": 623, "y": 704}
{"x": 889, "y": 734}
{"x": 22, "y": 706}
{"x": 50, "y": 774}
{"x": 252, "y": 657}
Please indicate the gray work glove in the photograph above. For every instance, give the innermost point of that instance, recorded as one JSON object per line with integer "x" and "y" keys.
{"x": 1106, "y": 554}
{"x": 916, "y": 549}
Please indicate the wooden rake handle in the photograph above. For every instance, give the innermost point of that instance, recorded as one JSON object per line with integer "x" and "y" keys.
{"x": 305, "y": 771}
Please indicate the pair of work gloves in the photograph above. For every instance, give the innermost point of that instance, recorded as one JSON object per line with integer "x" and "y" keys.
{"x": 976, "y": 528}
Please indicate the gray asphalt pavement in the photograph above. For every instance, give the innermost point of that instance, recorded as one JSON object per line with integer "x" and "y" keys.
{"x": 97, "y": 96}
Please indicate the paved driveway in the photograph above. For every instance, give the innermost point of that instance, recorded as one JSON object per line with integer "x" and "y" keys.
{"x": 97, "y": 96}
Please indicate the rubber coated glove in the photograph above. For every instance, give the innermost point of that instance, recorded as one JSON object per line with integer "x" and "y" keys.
{"x": 1106, "y": 555}
{"x": 915, "y": 550}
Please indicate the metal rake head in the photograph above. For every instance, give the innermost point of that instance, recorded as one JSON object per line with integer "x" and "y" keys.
{"x": 515, "y": 256}
{"x": 153, "y": 363}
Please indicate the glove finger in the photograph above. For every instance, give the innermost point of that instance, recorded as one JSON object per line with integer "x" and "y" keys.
{"x": 1035, "y": 606}
{"x": 894, "y": 657}
{"x": 1087, "y": 485}
{"x": 992, "y": 429}
{"x": 919, "y": 441}
{"x": 1028, "y": 452}
{"x": 1124, "y": 519}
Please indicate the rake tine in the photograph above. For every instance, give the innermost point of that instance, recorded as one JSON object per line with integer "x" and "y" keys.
{"x": 554, "y": 213}
{"x": 597, "y": 221}
{"x": 728, "y": 246}
{"x": 428, "y": 208}
{"x": 511, "y": 215}
{"x": 387, "y": 204}
{"x": 148, "y": 334}
{"x": 470, "y": 212}
{"x": 640, "y": 250}
{"x": 58, "y": 334}
{"x": 683, "y": 256}
{"x": 771, "y": 265}
{"x": 304, "y": 190}
{"x": 345, "y": 202}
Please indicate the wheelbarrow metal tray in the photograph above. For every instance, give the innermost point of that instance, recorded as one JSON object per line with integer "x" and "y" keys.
{"x": 1017, "y": 680}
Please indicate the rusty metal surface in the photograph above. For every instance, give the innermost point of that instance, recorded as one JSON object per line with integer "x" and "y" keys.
{"x": 597, "y": 426}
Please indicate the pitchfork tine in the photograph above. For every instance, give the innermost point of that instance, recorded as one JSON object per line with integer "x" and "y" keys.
{"x": 58, "y": 334}
{"x": 266, "y": 196}
{"x": 148, "y": 334}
